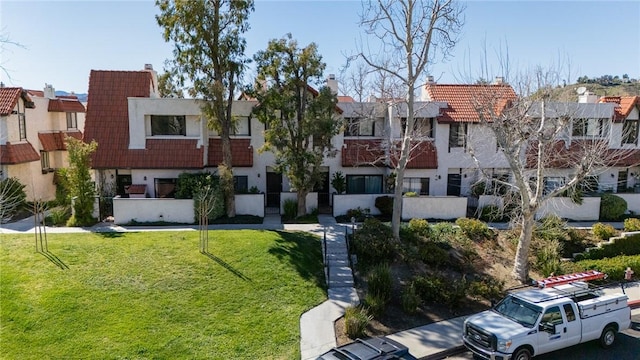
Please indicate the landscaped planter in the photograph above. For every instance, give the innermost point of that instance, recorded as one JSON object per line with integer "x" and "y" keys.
{"x": 153, "y": 210}
{"x": 250, "y": 204}
{"x": 564, "y": 208}
{"x": 434, "y": 207}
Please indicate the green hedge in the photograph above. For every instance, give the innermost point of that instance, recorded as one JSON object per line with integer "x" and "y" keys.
{"x": 621, "y": 246}
{"x": 613, "y": 267}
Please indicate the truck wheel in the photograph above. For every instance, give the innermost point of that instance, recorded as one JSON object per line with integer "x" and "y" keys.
{"x": 608, "y": 337}
{"x": 522, "y": 354}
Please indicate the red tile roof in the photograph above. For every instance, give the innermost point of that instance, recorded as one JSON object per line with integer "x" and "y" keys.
{"x": 107, "y": 122}
{"x": 55, "y": 140}
{"x": 9, "y": 98}
{"x": 371, "y": 153}
{"x": 241, "y": 150}
{"x": 136, "y": 189}
{"x": 625, "y": 105}
{"x": 463, "y": 100}
{"x": 65, "y": 104}
{"x": 11, "y": 154}
{"x": 345, "y": 99}
{"x": 559, "y": 156}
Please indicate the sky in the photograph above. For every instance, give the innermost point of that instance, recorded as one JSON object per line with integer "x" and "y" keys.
{"x": 60, "y": 42}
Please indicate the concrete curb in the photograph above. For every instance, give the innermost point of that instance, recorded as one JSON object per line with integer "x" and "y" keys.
{"x": 445, "y": 353}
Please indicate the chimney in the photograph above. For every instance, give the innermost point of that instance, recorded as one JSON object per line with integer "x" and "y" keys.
{"x": 588, "y": 98}
{"x": 499, "y": 80}
{"x": 430, "y": 79}
{"x": 332, "y": 83}
{"x": 49, "y": 91}
{"x": 155, "y": 93}
{"x": 1, "y": 84}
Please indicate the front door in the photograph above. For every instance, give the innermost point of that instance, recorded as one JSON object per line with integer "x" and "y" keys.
{"x": 274, "y": 188}
{"x": 454, "y": 181}
{"x": 322, "y": 188}
{"x": 122, "y": 184}
{"x": 622, "y": 181}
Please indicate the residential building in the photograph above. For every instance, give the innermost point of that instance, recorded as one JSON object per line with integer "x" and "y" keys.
{"x": 33, "y": 127}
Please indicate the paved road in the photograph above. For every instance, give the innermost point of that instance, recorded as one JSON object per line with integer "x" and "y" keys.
{"x": 626, "y": 348}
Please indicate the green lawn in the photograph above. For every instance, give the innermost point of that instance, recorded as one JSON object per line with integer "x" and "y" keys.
{"x": 153, "y": 295}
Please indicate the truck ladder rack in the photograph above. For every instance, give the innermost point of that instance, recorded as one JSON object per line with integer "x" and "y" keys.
{"x": 569, "y": 278}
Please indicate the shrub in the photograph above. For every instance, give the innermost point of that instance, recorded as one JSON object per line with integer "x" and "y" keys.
{"x": 474, "y": 229}
{"x": 632, "y": 224}
{"x": 603, "y": 231}
{"x": 547, "y": 257}
{"x": 419, "y": 227}
{"x": 444, "y": 232}
{"x": 338, "y": 182}
{"x": 613, "y": 267}
{"x": 410, "y": 299}
{"x": 190, "y": 184}
{"x": 380, "y": 283}
{"x": 13, "y": 198}
{"x": 432, "y": 254}
{"x": 411, "y": 194}
{"x": 356, "y": 320}
{"x": 429, "y": 288}
{"x": 385, "y": 205}
{"x": 490, "y": 213}
{"x": 455, "y": 292}
{"x": 290, "y": 209}
{"x": 551, "y": 228}
{"x": 612, "y": 207}
{"x": 373, "y": 243}
{"x": 486, "y": 288}
{"x": 621, "y": 246}
{"x": 358, "y": 214}
{"x": 59, "y": 217}
{"x": 375, "y": 304}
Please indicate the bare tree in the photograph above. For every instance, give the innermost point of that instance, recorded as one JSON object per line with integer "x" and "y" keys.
{"x": 410, "y": 33}
{"x": 538, "y": 138}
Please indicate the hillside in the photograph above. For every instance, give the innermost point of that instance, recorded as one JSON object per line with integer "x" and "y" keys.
{"x": 568, "y": 93}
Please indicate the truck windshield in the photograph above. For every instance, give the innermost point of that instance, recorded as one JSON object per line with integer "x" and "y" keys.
{"x": 518, "y": 310}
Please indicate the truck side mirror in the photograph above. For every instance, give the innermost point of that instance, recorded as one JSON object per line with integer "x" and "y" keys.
{"x": 547, "y": 327}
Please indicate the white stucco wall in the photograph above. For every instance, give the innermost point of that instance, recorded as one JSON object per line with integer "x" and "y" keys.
{"x": 151, "y": 210}
{"x": 486, "y": 200}
{"x": 342, "y": 203}
{"x": 250, "y": 204}
{"x": 434, "y": 207}
{"x": 633, "y": 201}
{"x": 311, "y": 200}
{"x": 566, "y": 209}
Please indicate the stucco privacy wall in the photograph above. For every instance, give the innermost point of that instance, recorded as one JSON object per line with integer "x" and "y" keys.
{"x": 250, "y": 204}
{"x": 153, "y": 209}
{"x": 311, "y": 201}
{"x": 633, "y": 201}
{"x": 434, "y": 207}
{"x": 565, "y": 208}
{"x": 342, "y": 203}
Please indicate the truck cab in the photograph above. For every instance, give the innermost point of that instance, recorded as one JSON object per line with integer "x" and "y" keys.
{"x": 538, "y": 321}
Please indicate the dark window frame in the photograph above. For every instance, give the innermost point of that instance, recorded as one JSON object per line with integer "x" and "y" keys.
{"x": 160, "y": 125}
{"x": 22, "y": 122}
{"x": 241, "y": 184}
{"x": 420, "y": 184}
{"x": 234, "y": 132}
{"x": 72, "y": 120}
{"x": 165, "y": 181}
{"x": 45, "y": 163}
{"x": 354, "y": 127}
{"x": 630, "y": 132}
{"x": 365, "y": 178}
{"x": 580, "y": 127}
{"x": 416, "y": 122}
{"x": 458, "y": 135}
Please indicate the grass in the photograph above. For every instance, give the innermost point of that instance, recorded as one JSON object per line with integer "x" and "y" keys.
{"x": 154, "y": 295}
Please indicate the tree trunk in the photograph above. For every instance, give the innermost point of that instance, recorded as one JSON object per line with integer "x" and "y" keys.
{"x": 302, "y": 202}
{"x": 521, "y": 263}
{"x": 396, "y": 216}
{"x": 229, "y": 195}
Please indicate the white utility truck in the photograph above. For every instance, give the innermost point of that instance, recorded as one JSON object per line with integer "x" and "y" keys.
{"x": 566, "y": 311}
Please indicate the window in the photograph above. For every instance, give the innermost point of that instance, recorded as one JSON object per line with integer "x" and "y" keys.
{"x": 589, "y": 127}
{"x": 364, "y": 184}
{"x": 168, "y": 125}
{"x": 630, "y": 132}
{"x": 241, "y": 184}
{"x": 360, "y": 127}
{"x": 422, "y": 127}
{"x": 568, "y": 309}
{"x": 416, "y": 185}
{"x": 72, "y": 120}
{"x": 22, "y": 124}
{"x": 552, "y": 316}
{"x": 3, "y": 172}
{"x": 589, "y": 184}
{"x": 165, "y": 188}
{"x": 243, "y": 127}
{"x": 457, "y": 135}
{"x": 551, "y": 183}
{"x": 44, "y": 162}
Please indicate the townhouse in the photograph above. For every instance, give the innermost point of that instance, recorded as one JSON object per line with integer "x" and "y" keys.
{"x": 33, "y": 127}
{"x": 145, "y": 142}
